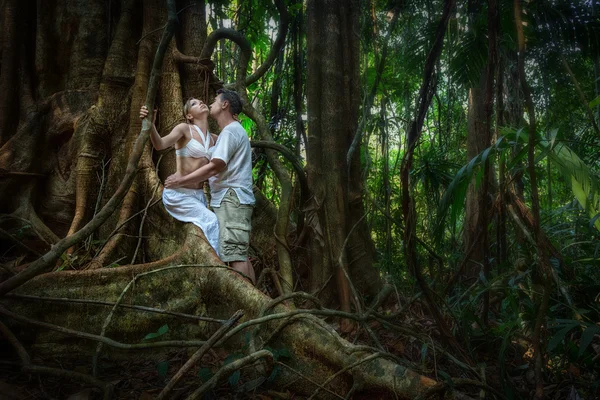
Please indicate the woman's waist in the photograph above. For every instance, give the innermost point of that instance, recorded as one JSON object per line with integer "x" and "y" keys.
{"x": 184, "y": 172}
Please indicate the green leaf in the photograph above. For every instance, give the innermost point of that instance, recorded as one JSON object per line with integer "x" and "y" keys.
{"x": 163, "y": 368}
{"x": 553, "y": 134}
{"x": 274, "y": 373}
{"x": 423, "y": 352}
{"x": 231, "y": 358}
{"x": 161, "y": 331}
{"x": 205, "y": 374}
{"x": 446, "y": 378}
{"x": 587, "y": 337}
{"x": 559, "y": 336}
{"x": 234, "y": 378}
{"x": 584, "y": 183}
{"x": 595, "y": 102}
{"x": 521, "y": 367}
{"x": 284, "y": 353}
{"x": 247, "y": 123}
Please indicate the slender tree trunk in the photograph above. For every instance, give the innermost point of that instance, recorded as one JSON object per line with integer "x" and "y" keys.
{"x": 543, "y": 261}
{"x": 493, "y": 20}
{"x": 477, "y": 140}
{"x": 501, "y": 242}
{"x": 408, "y": 207}
{"x": 596, "y": 67}
{"x": 387, "y": 190}
{"x": 297, "y": 35}
{"x": 275, "y": 112}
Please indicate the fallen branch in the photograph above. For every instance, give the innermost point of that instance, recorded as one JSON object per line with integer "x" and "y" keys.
{"x": 229, "y": 369}
{"x": 197, "y": 356}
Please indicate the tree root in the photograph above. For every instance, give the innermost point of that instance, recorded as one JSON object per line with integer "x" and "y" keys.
{"x": 99, "y": 338}
{"x": 115, "y": 241}
{"x": 316, "y": 352}
{"x": 111, "y": 304}
{"x": 27, "y": 212}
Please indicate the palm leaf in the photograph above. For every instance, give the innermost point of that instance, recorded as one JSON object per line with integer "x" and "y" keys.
{"x": 453, "y": 199}
{"x": 584, "y": 184}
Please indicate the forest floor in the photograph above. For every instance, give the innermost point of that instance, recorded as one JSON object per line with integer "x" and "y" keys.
{"x": 144, "y": 379}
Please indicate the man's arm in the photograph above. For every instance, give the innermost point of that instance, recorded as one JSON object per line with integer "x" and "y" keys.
{"x": 201, "y": 174}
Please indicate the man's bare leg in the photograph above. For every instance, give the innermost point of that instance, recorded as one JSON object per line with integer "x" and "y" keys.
{"x": 245, "y": 267}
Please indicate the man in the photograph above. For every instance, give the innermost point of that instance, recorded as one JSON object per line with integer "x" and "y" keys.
{"x": 230, "y": 173}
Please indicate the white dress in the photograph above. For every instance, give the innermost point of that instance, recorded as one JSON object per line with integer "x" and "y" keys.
{"x": 189, "y": 205}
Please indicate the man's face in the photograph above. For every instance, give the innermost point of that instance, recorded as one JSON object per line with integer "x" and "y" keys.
{"x": 216, "y": 106}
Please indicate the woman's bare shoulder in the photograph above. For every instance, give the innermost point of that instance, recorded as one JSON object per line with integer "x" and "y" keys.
{"x": 184, "y": 127}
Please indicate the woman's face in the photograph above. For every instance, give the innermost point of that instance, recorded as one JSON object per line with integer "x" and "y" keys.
{"x": 197, "y": 109}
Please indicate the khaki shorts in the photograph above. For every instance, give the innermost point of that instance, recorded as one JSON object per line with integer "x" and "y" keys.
{"x": 234, "y": 228}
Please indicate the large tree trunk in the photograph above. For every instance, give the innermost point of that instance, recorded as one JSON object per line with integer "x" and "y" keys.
{"x": 336, "y": 213}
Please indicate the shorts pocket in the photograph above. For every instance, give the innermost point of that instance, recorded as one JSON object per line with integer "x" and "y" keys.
{"x": 237, "y": 237}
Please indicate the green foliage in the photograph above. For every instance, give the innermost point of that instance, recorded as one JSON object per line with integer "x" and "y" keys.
{"x": 455, "y": 194}
{"x": 161, "y": 331}
{"x": 584, "y": 184}
{"x": 205, "y": 374}
{"x": 469, "y": 58}
{"x": 162, "y": 368}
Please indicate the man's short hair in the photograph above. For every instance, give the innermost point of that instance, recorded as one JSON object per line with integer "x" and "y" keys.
{"x": 235, "y": 103}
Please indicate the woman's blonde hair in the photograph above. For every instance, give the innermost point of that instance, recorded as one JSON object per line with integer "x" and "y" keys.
{"x": 186, "y": 108}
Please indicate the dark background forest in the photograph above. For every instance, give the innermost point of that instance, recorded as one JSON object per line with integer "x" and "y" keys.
{"x": 427, "y": 176}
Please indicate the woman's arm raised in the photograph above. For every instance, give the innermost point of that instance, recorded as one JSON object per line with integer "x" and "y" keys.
{"x": 161, "y": 143}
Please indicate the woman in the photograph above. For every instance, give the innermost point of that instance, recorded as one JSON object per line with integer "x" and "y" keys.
{"x": 192, "y": 143}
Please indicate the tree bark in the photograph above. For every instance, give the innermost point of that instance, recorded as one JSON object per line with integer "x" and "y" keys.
{"x": 336, "y": 207}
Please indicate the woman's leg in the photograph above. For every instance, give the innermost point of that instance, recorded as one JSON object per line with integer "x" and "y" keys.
{"x": 189, "y": 205}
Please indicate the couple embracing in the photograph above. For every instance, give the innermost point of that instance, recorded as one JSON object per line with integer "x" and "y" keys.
{"x": 226, "y": 162}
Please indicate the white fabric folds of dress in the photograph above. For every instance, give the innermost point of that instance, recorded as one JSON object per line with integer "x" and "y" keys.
{"x": 189, "y": 205}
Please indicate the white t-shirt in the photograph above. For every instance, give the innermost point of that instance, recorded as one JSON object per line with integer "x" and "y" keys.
{"x": 233, "y": 147}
